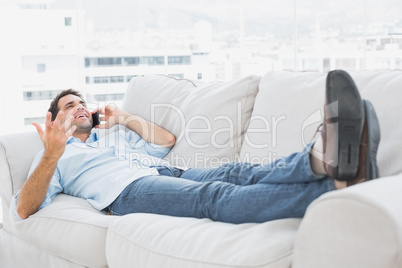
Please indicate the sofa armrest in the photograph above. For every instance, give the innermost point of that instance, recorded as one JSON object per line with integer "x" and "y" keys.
{"x": 16, "y": 154}
{"x": 360, "y": 226}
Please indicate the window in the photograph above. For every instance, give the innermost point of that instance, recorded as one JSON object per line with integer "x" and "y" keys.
{"x": 67, "y": 21}
{"x": 40, "y": 95}
{"x": 132, "y": 61}
{"x": 129, "y": 77}
{"x": 105, "y": 97}
{"x": 177, "y": 75}
{"x": 101, "y": 79}
{"x": 179, "y": 60}
{"x": 116, "y": 79}
{"x": 108, "y": 61}
{"x": 104, "y": 79}
{"x": 41, "y": 67}
{"x": 27, "y": 96}
{"x": 152, "y": 60}
{"x": 30, "y": 120}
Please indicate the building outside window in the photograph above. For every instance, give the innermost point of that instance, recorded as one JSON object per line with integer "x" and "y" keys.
{"x": 40, "y": 95}
{"x": 132, "y": 61}
{"x": 152, "y": 60}
{"x": 105, "y": 97}
{"x": 111, "y": 42}
{"x": 108, "y": 61}
{"x": 179, "y": 60}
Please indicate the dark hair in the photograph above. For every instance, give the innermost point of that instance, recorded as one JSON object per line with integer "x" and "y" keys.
{"x": 54, "y": 109}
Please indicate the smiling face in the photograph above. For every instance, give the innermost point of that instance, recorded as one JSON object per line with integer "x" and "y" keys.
{"x": 74, "y": 105}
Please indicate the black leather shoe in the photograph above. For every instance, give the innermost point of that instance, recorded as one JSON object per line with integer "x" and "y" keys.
{"x": 342, "y": 127}
{"x": 370, "y": 140}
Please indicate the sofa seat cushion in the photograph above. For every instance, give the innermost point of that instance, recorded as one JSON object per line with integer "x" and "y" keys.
{"x": 148, "y": 240}
{"x": 69, "y": 228}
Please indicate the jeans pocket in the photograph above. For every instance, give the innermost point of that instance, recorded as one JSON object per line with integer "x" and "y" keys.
{"x": 169, "y": 171}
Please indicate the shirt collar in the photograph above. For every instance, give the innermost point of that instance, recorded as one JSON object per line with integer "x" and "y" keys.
{"x": 92, "y": 138}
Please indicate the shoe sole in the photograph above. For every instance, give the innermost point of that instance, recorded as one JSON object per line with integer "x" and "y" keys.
{"x": 345, "y": 107}
{"x": 374, "y": 137}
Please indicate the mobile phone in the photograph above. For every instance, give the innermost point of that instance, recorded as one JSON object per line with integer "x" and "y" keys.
{"x": 95, "y": 119}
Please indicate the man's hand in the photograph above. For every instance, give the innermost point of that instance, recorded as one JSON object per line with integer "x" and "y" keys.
{"x": 55, "y": 137}
{"x": 112, "y": 116}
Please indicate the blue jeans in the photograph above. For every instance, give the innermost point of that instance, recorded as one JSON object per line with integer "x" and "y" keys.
{"x": 234, "y": 193}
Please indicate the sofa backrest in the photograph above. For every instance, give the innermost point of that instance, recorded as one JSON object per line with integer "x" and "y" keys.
{"x": 288, "y": 110}
{"x": 209, "y": 120}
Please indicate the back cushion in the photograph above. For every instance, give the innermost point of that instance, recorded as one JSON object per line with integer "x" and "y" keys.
{"x": 209, "y": 120}
{"x": 288, "y": 110}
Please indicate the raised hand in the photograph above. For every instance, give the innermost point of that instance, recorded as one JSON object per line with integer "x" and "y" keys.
{"x": 56, "y": 134}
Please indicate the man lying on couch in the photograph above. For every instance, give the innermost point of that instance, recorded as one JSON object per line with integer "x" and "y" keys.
{"x": 81, "y": 164}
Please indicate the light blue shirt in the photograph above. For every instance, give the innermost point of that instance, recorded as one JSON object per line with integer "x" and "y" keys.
{"x": 99, "y": 169}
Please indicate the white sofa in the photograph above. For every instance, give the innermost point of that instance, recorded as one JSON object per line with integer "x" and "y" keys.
{"x": 251, "y": 119}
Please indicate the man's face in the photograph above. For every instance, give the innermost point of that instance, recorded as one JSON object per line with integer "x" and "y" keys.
{"x": 73, "y": 105}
